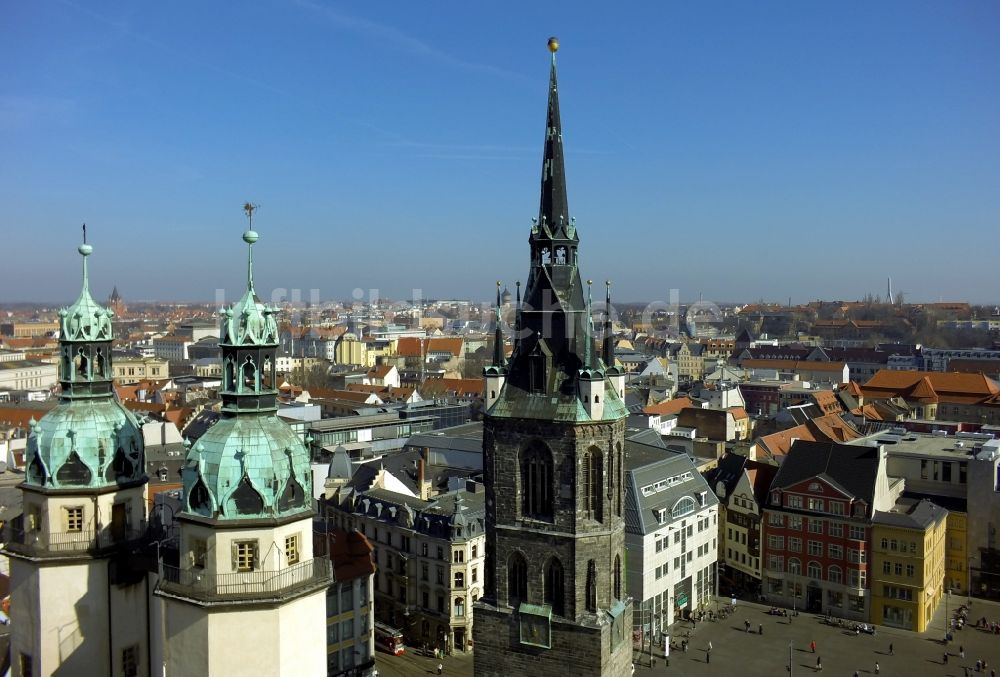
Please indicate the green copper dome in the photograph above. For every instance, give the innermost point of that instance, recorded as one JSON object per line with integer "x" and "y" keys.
{"x": 248, "y": 467}
{"x": 85, "y": 443}
{"x": 250, "y": 464}
{"x": 89, "y": 440}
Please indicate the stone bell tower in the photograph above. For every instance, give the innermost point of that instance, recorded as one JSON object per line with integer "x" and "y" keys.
{"x": 553, "y": 443}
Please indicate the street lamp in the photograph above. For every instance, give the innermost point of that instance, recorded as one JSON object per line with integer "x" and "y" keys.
{"x": 968, "y": 568}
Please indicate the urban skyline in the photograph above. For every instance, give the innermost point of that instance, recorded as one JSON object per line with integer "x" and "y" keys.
{"x": 807, "y": 140}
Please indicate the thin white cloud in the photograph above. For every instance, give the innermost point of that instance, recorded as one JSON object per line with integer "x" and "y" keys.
{"x": 17, "y": 112}
{"x": 392, "y": 36}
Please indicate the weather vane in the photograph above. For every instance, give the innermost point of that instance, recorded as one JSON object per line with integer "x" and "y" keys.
{"x": 249, "y": 208}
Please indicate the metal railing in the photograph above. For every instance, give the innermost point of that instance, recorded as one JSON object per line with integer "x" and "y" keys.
{"x": 39, "y": 543}
{"x": 200, "y": 584}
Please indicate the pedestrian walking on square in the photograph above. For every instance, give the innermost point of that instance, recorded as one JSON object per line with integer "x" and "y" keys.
{"x": 891, "y": 653}
{"x": 819, "y": 662}
{"x": 746, "y": 625}
{"x": 876, "y": 667}
{"x": 440, "y": 668}
{"x": 760, "y": 628}
{"x": 709, "y": 645}
{"x": 961, "y": 651}
{"x": 945, "y": 658}
{"x": 812, "y": 646}
{"x": 708, "y": 656}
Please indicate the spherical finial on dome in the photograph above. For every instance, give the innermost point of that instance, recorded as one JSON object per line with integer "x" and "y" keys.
{"x": 553, "y": 44}
{"x": 250, "y": 236}
{"x": 85, "y": 249}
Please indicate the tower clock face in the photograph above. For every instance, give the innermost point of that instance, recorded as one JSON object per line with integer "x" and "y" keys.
{"x": 535, "y": 630}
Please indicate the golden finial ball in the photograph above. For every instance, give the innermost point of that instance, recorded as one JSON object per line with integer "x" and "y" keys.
{"x": 553, "y": 44}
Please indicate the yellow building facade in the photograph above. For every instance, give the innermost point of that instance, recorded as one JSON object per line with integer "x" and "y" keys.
{"x": 956, "y": 575}
{"x": 908, "y": 564}
{"x": 351, "y": 351}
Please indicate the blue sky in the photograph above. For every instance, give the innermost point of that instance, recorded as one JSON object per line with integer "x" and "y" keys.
{"x": 738, "y": 150}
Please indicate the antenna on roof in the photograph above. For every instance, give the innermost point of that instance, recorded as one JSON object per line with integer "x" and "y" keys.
{"x": 85, "y": 233}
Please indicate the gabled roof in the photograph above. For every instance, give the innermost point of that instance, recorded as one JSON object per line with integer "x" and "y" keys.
{"x": 851, "y": 468}
{"x": 831, "y": 427}
{"x": 953, "y": 387}
{"x": 668, "y": 407}
{"x": 413, "y": 346}
{"x": 458, "y": 387}
{"x": 380, "y": 371}
{"x": 351, "y": 554}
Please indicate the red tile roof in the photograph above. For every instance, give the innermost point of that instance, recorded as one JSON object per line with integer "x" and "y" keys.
{"x": 350, "y": 553}
{"x": 953, "y": 388}
{"x": 668, "y": 407}
{"x": 412, "y": 346}
{"x": 459, "y": 387}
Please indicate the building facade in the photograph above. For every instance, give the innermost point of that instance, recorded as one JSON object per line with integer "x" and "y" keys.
{"x": 129, "y": 371}
{"x": 429, "y": 555}
{"x": 671, "y": 534}
{"x": 908, "y": 564}
{"x": 818, "y": 527}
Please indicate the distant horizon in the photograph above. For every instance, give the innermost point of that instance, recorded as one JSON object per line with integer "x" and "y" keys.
{"x": 768, "y": 147}
{"x": 54, "y": 305}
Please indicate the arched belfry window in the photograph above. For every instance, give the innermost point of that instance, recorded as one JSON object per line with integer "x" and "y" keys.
{"x": 618, "y": 577}
{"x": 267, "y": 377}
{"x": 536, "y": 482}
{"x": 517, "y": 579}
{"x": 554, "y": 589}
{"x": 249, "y": 374}
{"x": 594, "y": 474}
{"x": 230, "y": 375}
{"x": 99, "y": 364}
{"x": 82, "y": 363}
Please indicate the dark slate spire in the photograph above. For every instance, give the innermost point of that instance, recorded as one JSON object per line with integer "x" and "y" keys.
{"x": 609, "y": 339}
{"x": 553, "y": 208}
{"x": 553, "y": 324}
{"x": 498, "y": 335}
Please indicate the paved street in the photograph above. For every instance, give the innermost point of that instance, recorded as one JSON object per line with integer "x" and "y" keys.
{"x": 737, "y": 653}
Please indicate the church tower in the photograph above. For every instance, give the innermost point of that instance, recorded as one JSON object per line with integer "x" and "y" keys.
{"x": 553, "y": 439}
{"x": 77, "y": 608}
{"x": 246, "y": 596}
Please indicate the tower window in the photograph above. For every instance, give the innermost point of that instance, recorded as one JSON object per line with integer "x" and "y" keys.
{"x": 536, "y": 483}
{"x": 292, "y": 549}
{"x": 74, "y": 519}
{"x": 245, "y": 555}
{"x": 517, "y": 579}
{"x": 591, "y": 586}
{"x": 130, "y": 661}
{"x": 199, "y": 550}
{"x": 554, "y": 592}
{"x": 593, "y": 471}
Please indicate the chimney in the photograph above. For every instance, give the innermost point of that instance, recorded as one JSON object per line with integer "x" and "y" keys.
{"x": 421, "y": 488}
